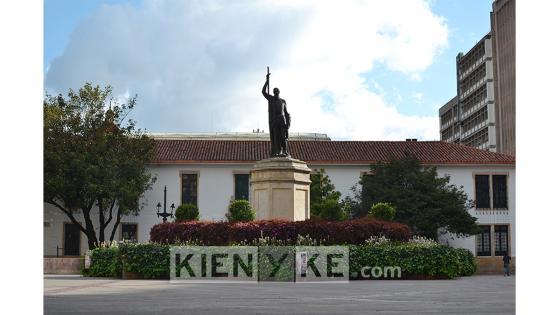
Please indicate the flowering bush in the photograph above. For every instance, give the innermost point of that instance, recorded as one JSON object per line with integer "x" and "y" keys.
{"x": 422, "y": 241}
{"x": 324, "y": 232}
{"x": 377, "y": 240}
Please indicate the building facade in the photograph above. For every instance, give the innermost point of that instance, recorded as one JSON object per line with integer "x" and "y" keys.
{"x": 503, "y": 43}
{"x": 482, "y": 115}
{"x": 469, "y": 118}
{"x": 449, "y": 125}
{"x": 210, "y": 171}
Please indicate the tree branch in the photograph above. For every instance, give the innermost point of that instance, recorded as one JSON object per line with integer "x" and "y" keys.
{"x": 68, "y": 213}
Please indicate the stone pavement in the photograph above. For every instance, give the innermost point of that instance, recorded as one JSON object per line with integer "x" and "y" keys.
{"x": 471, "y": 295}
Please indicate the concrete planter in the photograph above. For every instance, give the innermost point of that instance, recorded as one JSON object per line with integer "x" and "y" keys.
{"x": 62, "y": 265}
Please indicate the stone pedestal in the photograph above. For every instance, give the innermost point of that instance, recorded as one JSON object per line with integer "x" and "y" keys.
{"x": 280, "y": 189}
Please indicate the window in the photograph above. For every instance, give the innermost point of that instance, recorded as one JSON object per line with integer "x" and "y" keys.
{"x": 501, "y": 240}
{"x": 482, "y": 194}
{"x": 241, "y": 186}
{"x": 189, "y": 189}
{"x": 129, "y": 232}
{"x": 491, "y": 192}
{"x": 499, "y": 192}
{"x": 483, "y": 241}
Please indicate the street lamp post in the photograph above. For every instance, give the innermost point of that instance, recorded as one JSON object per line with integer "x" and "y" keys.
{"x": 165, "y": 214}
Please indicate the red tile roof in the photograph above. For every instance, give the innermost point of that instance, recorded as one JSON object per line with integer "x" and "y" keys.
{"x": 336, "y": 152}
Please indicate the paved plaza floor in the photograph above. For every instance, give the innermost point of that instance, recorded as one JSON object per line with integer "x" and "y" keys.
{"x": 470, "y": 295}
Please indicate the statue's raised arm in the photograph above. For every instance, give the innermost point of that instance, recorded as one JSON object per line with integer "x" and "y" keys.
{"x": 265, "y": 86}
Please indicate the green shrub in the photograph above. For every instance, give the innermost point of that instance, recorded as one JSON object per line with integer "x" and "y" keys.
{"x": 383, "y": 211}
{"x": 240, "y": 211}
{"x": 437, "y": 261}
{"x": 329, "y": 210}
{"x": 186, "y": 212}
{"x": 105, "y": 262}
{"x": 149, "y": 260}
{"x": 467, "y": 262}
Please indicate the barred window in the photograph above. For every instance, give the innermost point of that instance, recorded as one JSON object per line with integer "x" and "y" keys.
{"x": 241, "y": 186}
{"x": 491, "y": 192}
{"x": 482, "y": 186}
{"x": 189, "y": 189}
{"x": 501, "y": 239}
{"x": 483, "y": 241}
{"x": 499, "y": 192}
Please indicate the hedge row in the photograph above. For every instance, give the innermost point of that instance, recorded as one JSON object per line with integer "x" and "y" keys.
{"x": 148, "y": 260}
{"x": 327, "y": 232}
{"x": 415, "y": 261}
{"x": 151, "y": 260}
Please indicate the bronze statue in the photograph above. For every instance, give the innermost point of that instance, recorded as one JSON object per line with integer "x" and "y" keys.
{"x": 278, "y": 121}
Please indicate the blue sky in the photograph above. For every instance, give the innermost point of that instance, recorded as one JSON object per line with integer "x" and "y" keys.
{"x": 407, "y": 93}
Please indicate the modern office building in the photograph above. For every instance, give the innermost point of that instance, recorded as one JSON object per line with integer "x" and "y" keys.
{"x": 469, "y": 118}
{"x": 450, "y": 129}
{"x": 503, "y": 44}
{"x": 482, "y": 115}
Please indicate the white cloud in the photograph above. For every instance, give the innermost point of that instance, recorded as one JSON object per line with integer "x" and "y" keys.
{"x": 418, "y": 97}
{"x": 200, "y": 65}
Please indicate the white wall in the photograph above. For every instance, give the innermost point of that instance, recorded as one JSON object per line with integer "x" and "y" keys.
{"x": 216, "y": 189}
{"x": 343, "y": 177}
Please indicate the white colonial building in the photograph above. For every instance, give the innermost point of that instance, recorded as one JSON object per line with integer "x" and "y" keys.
{"x": 212, "y": 169}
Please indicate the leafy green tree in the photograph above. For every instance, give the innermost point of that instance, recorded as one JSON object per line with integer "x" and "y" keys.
{"x": 324, "y": 199}
{"x": 186, "y": 212}
{"x": 321, "y": 187}
{"x": 425, "y": 201}
{"x": 94, "y": 159}
{"x": 382, "y": 210}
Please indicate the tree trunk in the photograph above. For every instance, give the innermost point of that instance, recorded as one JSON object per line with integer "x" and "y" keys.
{"x": 90, "y": 231}
{"x": 101, "y": 223}
{"x": 115, "y": 226}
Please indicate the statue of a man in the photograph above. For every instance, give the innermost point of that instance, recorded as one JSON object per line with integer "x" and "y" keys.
{"x": 278, "y": 121}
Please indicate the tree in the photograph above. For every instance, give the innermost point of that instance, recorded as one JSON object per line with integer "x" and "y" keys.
{"x": 94, "y": 160}
{"x": 321, "y": 187}
{"x": 424, "y": 201}
{"x": 324, "y": 199}
{"x": 329, "y": 209}
{"x": 382, "y": 210}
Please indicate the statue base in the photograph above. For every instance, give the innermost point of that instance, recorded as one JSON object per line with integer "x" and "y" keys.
{"x": 280, "y": 189}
